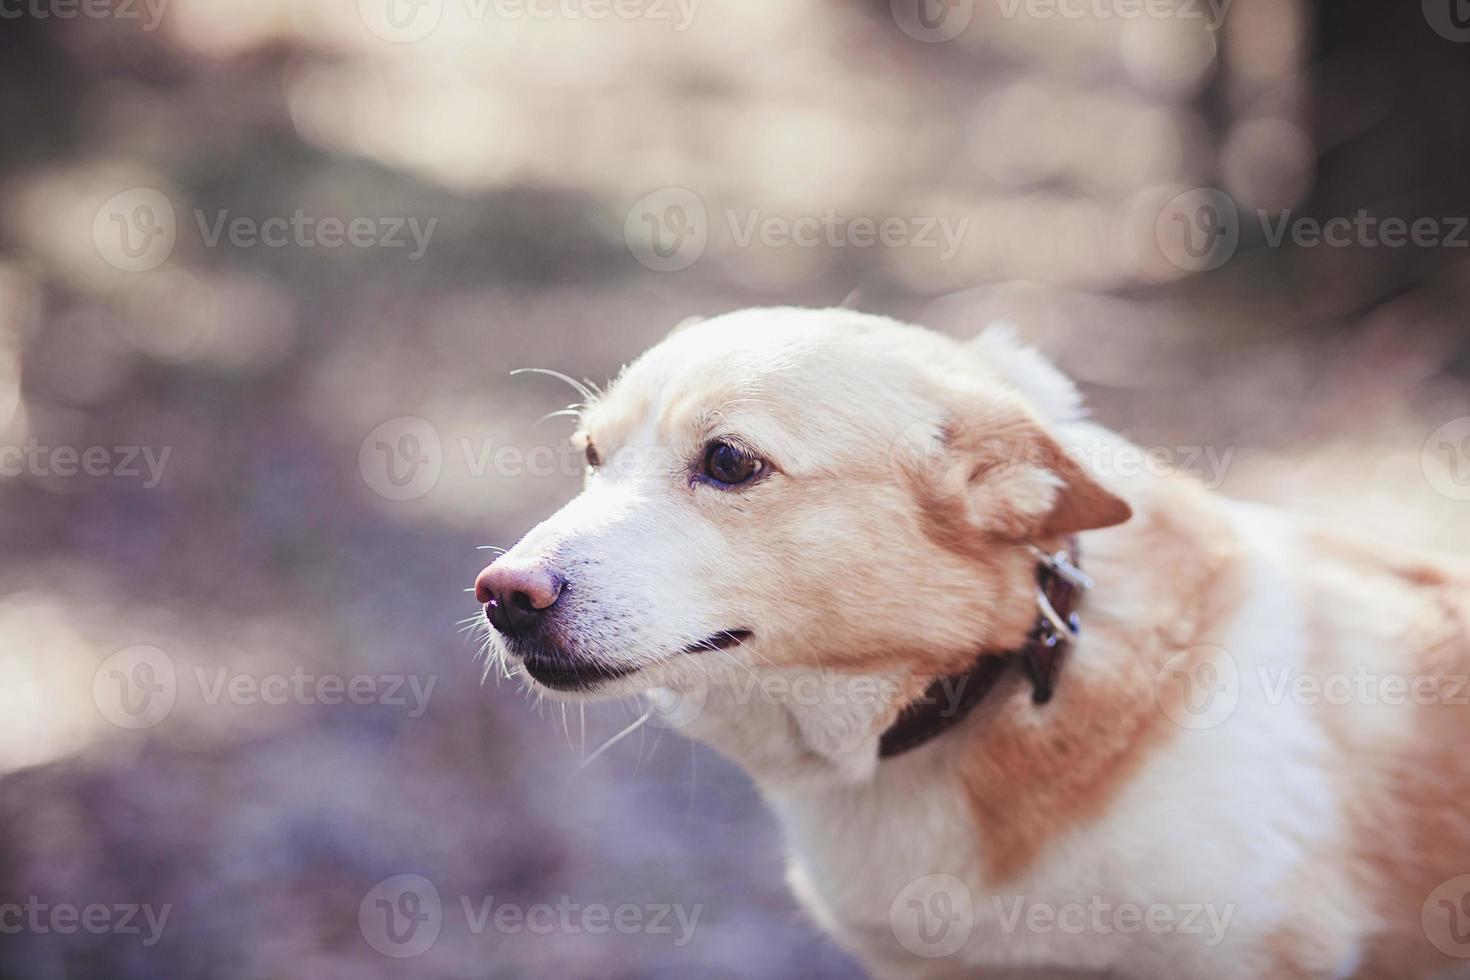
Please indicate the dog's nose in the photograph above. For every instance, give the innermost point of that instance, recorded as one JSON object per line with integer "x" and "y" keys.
{"x": 515, "y": 596}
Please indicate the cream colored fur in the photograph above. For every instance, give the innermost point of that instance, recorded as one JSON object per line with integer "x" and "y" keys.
{"x": 886, "y": 545}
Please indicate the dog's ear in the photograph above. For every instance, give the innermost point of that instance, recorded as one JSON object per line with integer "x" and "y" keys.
{"x": 1030, "y": 487}
{"x": 996, "y": 469}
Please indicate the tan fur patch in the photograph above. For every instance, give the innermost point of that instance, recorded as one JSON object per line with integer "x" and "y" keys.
{"x": 1407, "y": 792}
{"x": 1031, "y": 778}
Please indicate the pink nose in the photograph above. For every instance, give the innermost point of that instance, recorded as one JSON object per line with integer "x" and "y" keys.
{"x": 515, "y": 596}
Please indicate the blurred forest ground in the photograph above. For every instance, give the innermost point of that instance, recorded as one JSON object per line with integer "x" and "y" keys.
{"x": 1319, "y": 373}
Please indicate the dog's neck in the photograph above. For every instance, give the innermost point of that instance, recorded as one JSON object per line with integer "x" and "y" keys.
{"x": 761, "y": 721}
{"x": 783, "y": 724}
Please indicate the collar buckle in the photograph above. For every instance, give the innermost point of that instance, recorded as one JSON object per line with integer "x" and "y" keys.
{"x": 1061, "y": 564}
{"x": 1052, "y": 628}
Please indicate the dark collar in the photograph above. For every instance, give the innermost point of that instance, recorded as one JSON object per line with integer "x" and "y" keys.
{"x": 1059, "y": 584}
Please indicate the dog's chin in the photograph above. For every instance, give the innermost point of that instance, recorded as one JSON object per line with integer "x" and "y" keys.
{"x": 580, "y": 677}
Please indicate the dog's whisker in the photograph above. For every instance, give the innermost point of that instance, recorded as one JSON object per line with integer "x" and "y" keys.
{"x": 743, "y": 666}
{"x": 566, "y": 727}
{"x": 642, "y": 742}
{"x": 637, "y": 723}
{"x": 571, "y": 411}
{"x": 586, "y": 393}
{"x": 693, "y": 778}
{"x": 558, "y": 414}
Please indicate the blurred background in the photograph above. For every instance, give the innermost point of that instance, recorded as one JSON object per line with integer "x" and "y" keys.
{"x": 266, "y": 265}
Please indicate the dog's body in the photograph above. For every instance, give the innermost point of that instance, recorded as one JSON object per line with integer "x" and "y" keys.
{"x": 1255, "y": 763}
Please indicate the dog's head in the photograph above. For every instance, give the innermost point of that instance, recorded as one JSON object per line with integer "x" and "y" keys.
{"x": 797, "y": 488}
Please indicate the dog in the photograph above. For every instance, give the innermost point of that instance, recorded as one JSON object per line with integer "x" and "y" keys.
{"x": 1015, "y": 709}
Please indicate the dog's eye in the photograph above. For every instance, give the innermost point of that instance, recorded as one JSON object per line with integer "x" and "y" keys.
{"x": 729, "y": 465}
{"x": 593, "y": 459}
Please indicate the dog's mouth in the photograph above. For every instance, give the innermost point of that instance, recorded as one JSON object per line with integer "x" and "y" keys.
{"x": 559, "y": 672}
{"x": 723, "y": 640}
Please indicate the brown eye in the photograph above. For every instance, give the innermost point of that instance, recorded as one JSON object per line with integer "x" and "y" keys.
{"x": 725, "y": 464}
{"x": 593, "y": 460}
